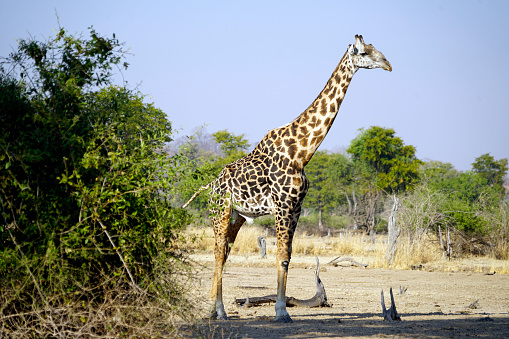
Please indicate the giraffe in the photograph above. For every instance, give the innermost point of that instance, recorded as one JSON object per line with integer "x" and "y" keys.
{"x": 271, "y": 179}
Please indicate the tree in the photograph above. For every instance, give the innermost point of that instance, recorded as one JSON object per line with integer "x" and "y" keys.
{"x": 386, "y": 159}
{"x": 207, "y": 164}
{"x": 494, "y": 171}
{"x": 85, "y": 189}
{"x": 437, "y": 171}
{"x": 387, "y": 165}
{"x": 230, "y": 144}
{"x": 465, "y": 192}
{"x": 317, "y": 196}
{"x": 233, "y": 147}
{"x": 341, "y": 176}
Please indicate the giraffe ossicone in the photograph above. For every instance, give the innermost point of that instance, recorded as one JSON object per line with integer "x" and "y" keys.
{"x": 271, "y": 179}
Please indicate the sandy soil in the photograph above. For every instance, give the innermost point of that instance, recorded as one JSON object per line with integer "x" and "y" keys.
{"x": 435, "y": 304}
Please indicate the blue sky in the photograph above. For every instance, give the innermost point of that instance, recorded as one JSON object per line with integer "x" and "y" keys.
{"x": 250, "y": 66}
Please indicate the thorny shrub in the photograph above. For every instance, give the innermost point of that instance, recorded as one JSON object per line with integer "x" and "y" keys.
{"x": 88, "y": 234}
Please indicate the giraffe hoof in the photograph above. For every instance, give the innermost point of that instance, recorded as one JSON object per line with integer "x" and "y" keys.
{"x": 283, "y": 319}
{"x": 218, "y": 316}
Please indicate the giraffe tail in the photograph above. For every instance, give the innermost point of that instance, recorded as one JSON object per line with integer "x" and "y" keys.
{"x": 196, "y": 194}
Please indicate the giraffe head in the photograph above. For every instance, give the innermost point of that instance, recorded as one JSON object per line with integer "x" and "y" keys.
{"x": 366, "y": 56}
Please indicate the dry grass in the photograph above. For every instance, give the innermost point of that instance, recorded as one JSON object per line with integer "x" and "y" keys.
{"x": 501, "y": 248}
{"x": 157, "y": 309}
{"x": 423, "y": 254}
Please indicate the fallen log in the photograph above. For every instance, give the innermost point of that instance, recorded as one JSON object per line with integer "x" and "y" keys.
{"x": 390, "y": 314}
{"x": 319, "y": 299}
{"x": 337, "y": 260}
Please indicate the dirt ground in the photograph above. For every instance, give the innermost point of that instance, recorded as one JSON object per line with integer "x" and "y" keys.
{"x": 435, "y": 304}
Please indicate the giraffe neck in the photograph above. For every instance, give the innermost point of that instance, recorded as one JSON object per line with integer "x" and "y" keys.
{"x": 312, "y": 125}
{"x": 298, "y": 141}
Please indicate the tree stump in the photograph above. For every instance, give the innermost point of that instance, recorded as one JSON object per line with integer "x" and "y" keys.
{"x": 263, "y": 247}
{"x": 391, "y": 314}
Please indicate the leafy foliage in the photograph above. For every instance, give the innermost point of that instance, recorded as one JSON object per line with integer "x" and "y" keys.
{"x": 85, "y": 189}
{"x": 467, "y": 194}
{"x": 232, "y": 145}
{"x": 385, "y": 159}
{"x": 316, "y": 172}
{"x": 383, "y": 163}
{"x": 494, "y": 171}
{"x": 208, "y": 165}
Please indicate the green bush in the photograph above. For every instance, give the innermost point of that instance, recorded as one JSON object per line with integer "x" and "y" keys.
{"x": 267, "y": 221}
{"x": 466, "y": 193}
{"x": 85, "y": 187}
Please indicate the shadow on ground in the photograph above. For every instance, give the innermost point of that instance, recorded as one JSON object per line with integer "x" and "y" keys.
{"x": 357, "y": 326}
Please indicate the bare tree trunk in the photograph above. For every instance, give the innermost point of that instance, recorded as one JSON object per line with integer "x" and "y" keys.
{"x": 320, "y": 223}
{"x": 393, "y": 231}
{"x": 441, "y": 240}
{"x": 371, "y": 217}
{"x": 354, "y": 214}
{"x": 349, "y": 203}
{"x": 307, "y": 211}
{"x": 449, "y": 250}
{"x": 445, "y": 247}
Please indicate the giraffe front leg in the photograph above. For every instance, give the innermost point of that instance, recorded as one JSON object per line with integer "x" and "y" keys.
{"x": 220, "y": 222}
{"x": 284, "y": 251}
{"x": 282, "y": 274}
{"x": 216, "y": 294}
{"x": 226, "y": 229}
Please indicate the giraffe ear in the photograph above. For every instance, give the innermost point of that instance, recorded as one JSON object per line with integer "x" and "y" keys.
{"x": 359, "y": 44}
{"x": 359, "y": 39}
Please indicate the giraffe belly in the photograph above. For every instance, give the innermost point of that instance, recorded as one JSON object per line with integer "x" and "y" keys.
{"x": 253, "y": 207}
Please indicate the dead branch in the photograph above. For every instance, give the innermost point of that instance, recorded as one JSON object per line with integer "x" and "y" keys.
{"x": 337, "y": 260}
{"x": 319, "y": 299}
{"x": 473, "y": 305}
{"x": 120, "y": 256}
{"x": 391, "y": 314}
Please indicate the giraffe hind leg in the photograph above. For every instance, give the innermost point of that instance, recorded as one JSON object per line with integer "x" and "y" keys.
{"x": 226, "y": 227}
